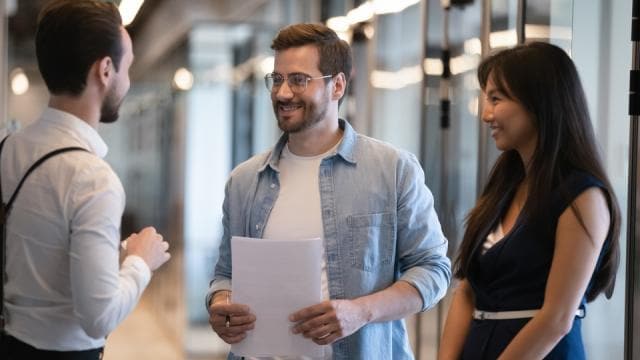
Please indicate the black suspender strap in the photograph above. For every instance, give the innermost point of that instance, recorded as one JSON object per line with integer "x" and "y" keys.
{"x": 5, "y": 210}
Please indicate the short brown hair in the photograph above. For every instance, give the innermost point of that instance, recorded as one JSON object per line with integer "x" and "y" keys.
{"x": 335, "y": 53}
{"x": 71, "y": 36}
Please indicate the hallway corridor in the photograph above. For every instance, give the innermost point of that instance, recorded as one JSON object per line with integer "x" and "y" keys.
{"x": 141, "y": 337}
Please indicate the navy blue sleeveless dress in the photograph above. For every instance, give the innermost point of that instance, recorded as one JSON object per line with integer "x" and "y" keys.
{"x": 512, "y": 275}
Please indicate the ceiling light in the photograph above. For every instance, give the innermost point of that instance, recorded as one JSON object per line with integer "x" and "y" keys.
{"x": 266, "y": 65}
{"x": 392, "y": 6}
{"x": 183, "y": 79}
{"x": 128, "y": 10}
{"x": 339, "y": 24}
{"x": 19, "y": 81}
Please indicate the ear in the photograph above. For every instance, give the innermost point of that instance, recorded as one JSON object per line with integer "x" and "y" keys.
{"x": 104, "y": 71}
{"x": 339, "y": 86}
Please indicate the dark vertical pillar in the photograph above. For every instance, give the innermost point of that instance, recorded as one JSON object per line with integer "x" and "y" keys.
{"x": 632, "y": 307}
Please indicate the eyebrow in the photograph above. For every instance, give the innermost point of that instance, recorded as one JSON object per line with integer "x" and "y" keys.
{"x": 493, "y": 91}
{"x": 292, "y": 73}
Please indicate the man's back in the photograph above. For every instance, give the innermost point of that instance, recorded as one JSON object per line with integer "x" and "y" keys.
{"x": 63, "y": 290}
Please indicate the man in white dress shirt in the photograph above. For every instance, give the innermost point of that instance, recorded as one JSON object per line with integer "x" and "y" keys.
{"x": 65, "y": 288}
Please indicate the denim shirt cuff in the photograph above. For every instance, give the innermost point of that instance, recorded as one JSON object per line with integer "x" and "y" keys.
{"x": 216, "y": 285}
{"x": 431, "y": 290}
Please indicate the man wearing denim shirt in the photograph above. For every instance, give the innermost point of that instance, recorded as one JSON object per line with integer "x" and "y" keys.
{"x": 384, "y": 251}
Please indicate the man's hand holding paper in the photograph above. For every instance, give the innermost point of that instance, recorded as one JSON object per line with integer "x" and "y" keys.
{"x": 329, "y": 321}
{"x": 230, "y": 321}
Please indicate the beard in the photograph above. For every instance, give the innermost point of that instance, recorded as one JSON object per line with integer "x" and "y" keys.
{"x": 312, "y": 114}
{"x": 109, "y": 112}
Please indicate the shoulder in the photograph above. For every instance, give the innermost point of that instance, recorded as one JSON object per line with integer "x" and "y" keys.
{"x": 385, "y": 161}
{"x": 371, "y": 149}
{"x": 89, "y": 176}
{"x": 588, "y": 212}
{"x": 248, "y": 169}
{"x": 72, "y": 172}
{"x": 574, "y": 185}
{"x": 252, "y": 164}
{"x": 586, "y": 204}
{"x": 591, "y": 199}
{"x": 581, "y": 179}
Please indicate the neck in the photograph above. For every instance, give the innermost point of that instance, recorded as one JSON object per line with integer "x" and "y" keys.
{"x": 79, "y": 106}
{"x": 315, "y": 140}
{"x": 526, "y": 153}
{"x": 521, "y": 193}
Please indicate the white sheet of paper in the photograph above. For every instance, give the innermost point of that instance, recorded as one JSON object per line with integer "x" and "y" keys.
{"x": 275, "y": 278}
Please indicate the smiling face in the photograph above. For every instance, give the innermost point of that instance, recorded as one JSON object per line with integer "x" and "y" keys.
{"x": 297, "y": 112}
{"x": 512, "y": 126}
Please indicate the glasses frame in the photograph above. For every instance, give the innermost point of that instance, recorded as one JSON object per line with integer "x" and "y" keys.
{"x": 269, "y": 77}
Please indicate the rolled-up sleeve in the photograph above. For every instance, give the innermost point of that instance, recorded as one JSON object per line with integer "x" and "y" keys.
{"x": 422, "y": 247}
{"x": 222, "y": 274}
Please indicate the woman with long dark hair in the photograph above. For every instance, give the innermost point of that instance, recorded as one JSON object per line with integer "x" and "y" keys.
{"x": 542, "y": 240}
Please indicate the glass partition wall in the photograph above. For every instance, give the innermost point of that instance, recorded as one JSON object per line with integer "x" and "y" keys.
{"x": 3, "y": 63}
{"x": 449, "y": 131}
{"x": 601, "y": 49}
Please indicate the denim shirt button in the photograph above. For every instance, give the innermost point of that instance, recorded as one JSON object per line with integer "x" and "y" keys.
{"x": 273, "y": 186}
{"x": 258, "y": 226}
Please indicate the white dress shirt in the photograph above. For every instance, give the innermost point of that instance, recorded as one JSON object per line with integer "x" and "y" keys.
{"x": 65, "y": 287}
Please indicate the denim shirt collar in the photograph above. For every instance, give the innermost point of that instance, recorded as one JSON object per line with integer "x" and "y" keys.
{"x": 346, "y": 149}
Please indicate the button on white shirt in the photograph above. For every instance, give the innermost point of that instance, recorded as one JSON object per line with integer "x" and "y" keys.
{"x": 65, "y": 287}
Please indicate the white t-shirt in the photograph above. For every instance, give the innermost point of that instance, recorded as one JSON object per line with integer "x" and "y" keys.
{"x": 493, "y": 238}
{"x": 296, "y": 213}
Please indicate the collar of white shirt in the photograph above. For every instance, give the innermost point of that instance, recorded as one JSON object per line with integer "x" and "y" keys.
{"x": 84, "y": 132}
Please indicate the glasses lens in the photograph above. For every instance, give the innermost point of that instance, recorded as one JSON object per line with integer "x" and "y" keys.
{"x": 268, "y": 82}
{"x": 298, "y": 82}
{"x": 273, "y": 80}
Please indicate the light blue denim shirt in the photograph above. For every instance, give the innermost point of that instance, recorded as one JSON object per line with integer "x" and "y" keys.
{"x": 379, "y": 224}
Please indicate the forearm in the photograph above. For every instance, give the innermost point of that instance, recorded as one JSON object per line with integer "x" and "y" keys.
{"x": 458, "y": 323}
{"x": 393, "y": 303}
{"x": 430, "y": 277}
{"x": 537, "y": 338}
{"x": 421, "y": 246}
{"x": 222, "y": 269}
{"x": 104, "y": 295}
{"x": 104, "y": 292}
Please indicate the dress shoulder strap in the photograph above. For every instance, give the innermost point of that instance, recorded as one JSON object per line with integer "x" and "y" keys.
{"x": 574, "y": 185}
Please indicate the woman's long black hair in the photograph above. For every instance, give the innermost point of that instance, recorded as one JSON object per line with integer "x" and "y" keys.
{"x": 544, "y": 80}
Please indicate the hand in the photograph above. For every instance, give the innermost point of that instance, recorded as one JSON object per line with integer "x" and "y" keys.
{"x": 230, "y": 321}
{"x": 329, "y": 321}
{"x": 148, "y": 244}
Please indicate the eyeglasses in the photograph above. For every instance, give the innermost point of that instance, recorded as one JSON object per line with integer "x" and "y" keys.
{"x": 297, "y": 81}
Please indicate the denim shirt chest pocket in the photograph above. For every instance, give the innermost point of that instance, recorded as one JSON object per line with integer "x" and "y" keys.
{"x": 372, "y": 239}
